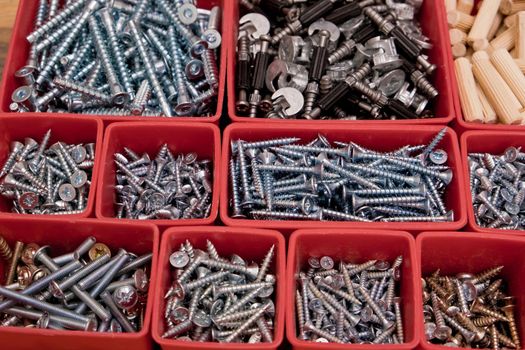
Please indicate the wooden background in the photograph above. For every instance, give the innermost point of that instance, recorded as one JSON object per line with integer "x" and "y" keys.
{"x": 7, "y": 17}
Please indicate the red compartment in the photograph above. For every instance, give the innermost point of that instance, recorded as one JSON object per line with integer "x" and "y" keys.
{"x": 455, "y": 252}
{"x": 142, "y": 137}
{"x": 493, "y": 142}
{"x": 433, "y": 25}
{"x": 63, "y": 237}
{"x": 250, "y": 244}
{"x": 19, "y": 49}
{"x": 356, "y": 246}
{"x": 391, "y": 137}
{"x": 13, "y": 128}
{"x": 460, "y": 122}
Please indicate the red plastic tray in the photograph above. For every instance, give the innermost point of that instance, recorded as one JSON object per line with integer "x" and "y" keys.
{"x": 455, "y": 252}
{"x": 493, "y": 142}
{"x": 64, "y": 236}
{"x": 250, "y": 244}
{"x": 377, "y": 137}
{"x": 201, "y": 138}
{"x": 19, "y": 49}
{"x": 356, "y": 246}
{"x": 460, "y": 124}
{"x": 434, "y": 26}
{"x": 14, "y": 128}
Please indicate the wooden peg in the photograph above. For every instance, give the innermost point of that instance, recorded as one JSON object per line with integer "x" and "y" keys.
{"x": 511, "y": 20}
{"x": 465, "y": 6}
{"x": 480, "y": 30}
{"x": 505, "y": 40}
{"x": 450, "y": 5}
{"x": 521, "y": 64}
{"x": 509, "y": 7}
{"x": 520, "y": 35}
{"x": 496, "y": 24}
{"x": 470, "y": 102}
{"x": 500, "y": 95}
{"x": 489, "y": 114}
{"x": 459, "y": 50}
{"x": 457, "y": 36}
{"x": 460, "y": 20}
{"x": 509, "y": 70}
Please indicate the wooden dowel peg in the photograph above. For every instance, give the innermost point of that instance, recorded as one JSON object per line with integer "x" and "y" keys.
{"x": 505, "y": 40}
{"x": 521, "y": 64}
{"x": 460, "y": 20}
{"x": 503, "y": 100}
{"x": 470, "y": 102}
{"x": 450, "y": 5}
{"x": 509, "y": 7}
{"x": 459, "y": 50}
{"x": 489, "y": 114}
{"x": 520, "y": 35}
{"x": 486, "y": 14}
{"x": 511, "y": 20}
{"x": 457, "y": 36}
{"x": 509, "y": 70}
{"x": 465, "y": 6}
{"x": 496, "y": 24}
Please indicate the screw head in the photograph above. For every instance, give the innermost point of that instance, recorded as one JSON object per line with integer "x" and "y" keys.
{"x": 179, "y": 259}
{"x": 201, "y": 318}
{"x": 28, "y": 200}
{"x": 141, "y": 280}
{"x": 98, "y": 250}
{"x": 67, "y": 192}
{"x": 126, "y": 297}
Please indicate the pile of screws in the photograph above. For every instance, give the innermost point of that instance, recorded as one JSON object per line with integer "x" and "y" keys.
{"x": 470, "y": 311}
{"x": 163, "y": 188}
{"x": 153, "y": 58}
{"x": 333, "y": 59}
{"x": 497, "y": 186}
{"x": 281, "y": 180}
{"x": 215, "y": 299}
{"x": 353, "y": 304}
{"x": 52, "y": 180}
{"x": 84, "y": 290}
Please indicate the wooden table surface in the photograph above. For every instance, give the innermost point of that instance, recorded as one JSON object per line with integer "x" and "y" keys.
{"x": 7, "y": 18}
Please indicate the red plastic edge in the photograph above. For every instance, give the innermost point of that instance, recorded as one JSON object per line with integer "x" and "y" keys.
{"x": 172, "y": 238}
{"x": 8, "y": 122}
{"x": 479, "y": 246}
{"x": 26, "y": 338}
{"x": 326, "y": 246}
{"x": 389, "y": 133}
{"x": 438, "y": 10}
{"x": 494, "y": 142}
{"x": 183, "y": 130}
{"x": 19, "y": 47}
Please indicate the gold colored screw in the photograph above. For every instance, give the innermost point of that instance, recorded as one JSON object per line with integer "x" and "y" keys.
{"x": 19, "y": 247}
{"x": 484, "y": 321}
{"x": 5, "y": 252}
{"x": 487, "y": 274}
{"x": 509, "y": 312}
{"x": 479, "y": 308}
{"x": 494, "y": 337}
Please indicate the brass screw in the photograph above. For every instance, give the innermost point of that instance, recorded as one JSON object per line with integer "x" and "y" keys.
{"x": 19, "y": 246}
{"x": 5, "y": 251}
{"x": 98, "y": 250}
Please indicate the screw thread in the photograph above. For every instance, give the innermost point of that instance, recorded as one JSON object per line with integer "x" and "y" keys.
{"x": 5, "y": 251}
{"x": 342, "y": 51}
{"x": 71, "y": 85}
{"x": 210, "y": 68}
{"x": 116, "y": 49}
{"x": 206, "y": 280}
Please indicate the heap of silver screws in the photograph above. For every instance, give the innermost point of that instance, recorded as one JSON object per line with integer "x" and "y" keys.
{"x": 44, "y": 179}
{"x": 497, "y": 185}
{"x": 281, "y": 179}
{"x": 166, "y": 187}
{"x": 469, "y": 311}
{"x": 354, "y": 303}
{"x": 86, "y": 289}
{"x": 218, "y": 299}
{"x": 295, "y": 57}
{"x": 144, "y": 57}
